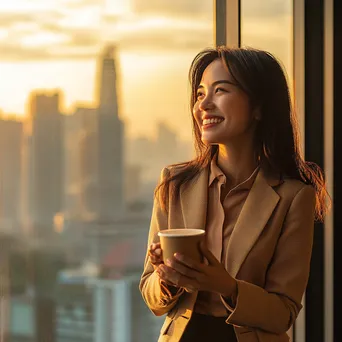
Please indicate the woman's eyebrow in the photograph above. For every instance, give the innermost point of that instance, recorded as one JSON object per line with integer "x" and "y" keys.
{"x": 217, "y": 82}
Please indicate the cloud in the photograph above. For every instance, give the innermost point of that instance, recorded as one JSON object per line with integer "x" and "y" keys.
{"x": 154, "y": 25}
{"x": 159, "y": 32}
{"x": 74, "y": 4}
{"x": 174, "y": 35}
{"x": 78, "y": 36}
{"x": 8, "y": 19}
{"x": 189, "y": 8}
{"x": 83, "y": 38}
{"x": 15, "y": 52}
{"x": 141, "y": 33}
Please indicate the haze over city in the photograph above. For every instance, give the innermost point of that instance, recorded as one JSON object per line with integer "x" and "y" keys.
{"x": 49, "y": 44}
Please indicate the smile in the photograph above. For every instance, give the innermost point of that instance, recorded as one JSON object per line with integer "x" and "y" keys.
{"x": 211, "y": 122}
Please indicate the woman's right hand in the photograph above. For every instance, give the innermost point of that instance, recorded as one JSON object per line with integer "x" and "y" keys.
{"x": 155, "y": 254}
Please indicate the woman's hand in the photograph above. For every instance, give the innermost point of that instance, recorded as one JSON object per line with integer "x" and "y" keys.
{"x": 181, "y": 271}
{"x": 155, "y": 254}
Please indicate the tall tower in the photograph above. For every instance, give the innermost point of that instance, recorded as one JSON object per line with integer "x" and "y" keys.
{"x": 11, "y": 132}
{"x": 110, "y": 142}
{"x": 45, "y": 168}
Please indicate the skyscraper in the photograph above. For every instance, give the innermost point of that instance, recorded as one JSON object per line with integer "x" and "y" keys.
{"x": 45, "y": 186}
{"x": 110, "y": 141}
{"x": 80, "y": 134}
{"x": 10, "y": 171}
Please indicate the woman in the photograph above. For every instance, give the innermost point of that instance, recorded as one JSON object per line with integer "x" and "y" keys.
{"x": 254, "y": 194}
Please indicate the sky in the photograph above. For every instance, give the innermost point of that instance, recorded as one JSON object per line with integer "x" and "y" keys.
{"x": 56, "y": 44}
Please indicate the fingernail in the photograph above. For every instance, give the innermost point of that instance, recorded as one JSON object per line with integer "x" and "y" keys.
{"x": 177, "y": 256}
{"x": 168, "y": 262}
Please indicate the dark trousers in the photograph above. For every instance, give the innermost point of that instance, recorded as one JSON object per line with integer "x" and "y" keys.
{"x": 204, "y": 328}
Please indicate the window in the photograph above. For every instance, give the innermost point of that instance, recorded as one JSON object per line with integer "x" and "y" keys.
{"x": 94, "y": 100}
{"x": 268, "y": 25}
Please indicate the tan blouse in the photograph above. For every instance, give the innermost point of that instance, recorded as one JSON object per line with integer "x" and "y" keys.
{"x": 222, "y": 215}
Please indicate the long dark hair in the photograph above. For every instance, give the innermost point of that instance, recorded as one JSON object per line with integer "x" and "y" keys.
{"x": 261, "y": 77}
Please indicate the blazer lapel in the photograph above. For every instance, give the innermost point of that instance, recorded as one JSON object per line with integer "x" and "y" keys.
{"x": 193, "y": 200}
{"x": 254, "y": 215}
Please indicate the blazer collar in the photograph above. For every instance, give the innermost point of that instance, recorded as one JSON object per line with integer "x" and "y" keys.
{"x": 257, "y": 210}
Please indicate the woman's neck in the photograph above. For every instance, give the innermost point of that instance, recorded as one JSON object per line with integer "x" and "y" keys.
{"x": 236, "y": 163}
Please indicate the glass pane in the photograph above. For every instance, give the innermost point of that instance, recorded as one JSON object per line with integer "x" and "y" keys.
{"x": 268, "y": 25}
{"x": 94, "y": 98}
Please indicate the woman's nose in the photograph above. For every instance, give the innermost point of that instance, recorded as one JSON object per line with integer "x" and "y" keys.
{"x": 206, "y": 103}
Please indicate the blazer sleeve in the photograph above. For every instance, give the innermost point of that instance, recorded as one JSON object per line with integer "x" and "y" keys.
{"x": 157, "y": 295}
{"x": 275, "y": 307}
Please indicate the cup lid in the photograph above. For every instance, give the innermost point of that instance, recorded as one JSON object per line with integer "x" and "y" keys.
{"x": 177, "y": 232}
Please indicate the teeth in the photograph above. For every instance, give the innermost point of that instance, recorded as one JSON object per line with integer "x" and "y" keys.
{"x": 211, "y": 121}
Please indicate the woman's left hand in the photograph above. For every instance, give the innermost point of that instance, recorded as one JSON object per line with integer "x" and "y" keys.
{"x": 184, "y": 272}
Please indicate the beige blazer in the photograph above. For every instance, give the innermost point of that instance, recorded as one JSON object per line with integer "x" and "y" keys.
{"x": 269, "y": 254}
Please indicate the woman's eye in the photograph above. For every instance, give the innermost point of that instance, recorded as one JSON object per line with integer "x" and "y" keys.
{"x": 199, "y": 94}
{"x": 220, "y": 89}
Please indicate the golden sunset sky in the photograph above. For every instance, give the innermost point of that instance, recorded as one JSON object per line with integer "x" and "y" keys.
{"x": 55, "y": 44}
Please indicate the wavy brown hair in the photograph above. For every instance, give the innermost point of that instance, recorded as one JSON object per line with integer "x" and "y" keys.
{"x": 262, "y": 78}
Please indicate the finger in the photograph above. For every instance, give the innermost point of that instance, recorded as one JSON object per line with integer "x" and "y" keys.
{"x": 156, "y": 251}
{"x": 185, "y": 260}
{"x": 156, "y": 258}
{"x": 182, "y": 269}
{"x": 169, "y": 275}
{"x": 153, "y": 259}
{"x": 172, "y": 277}
{"x": 208, "y": 255}
{"x": 155, "y": 245}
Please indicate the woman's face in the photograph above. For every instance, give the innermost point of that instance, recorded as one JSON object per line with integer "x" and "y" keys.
{"x": 222, "y": 111}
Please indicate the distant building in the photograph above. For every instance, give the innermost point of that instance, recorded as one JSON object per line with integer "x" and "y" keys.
{"x": 44, "y": 160}
{"x": 152, "y": 155}
{"x": 120, "y": 314}
{"x": 110, "y": 142}
{"x": 133, "y": 183}
{"x": 81, "y": 171}
{"x": 11, "y": 135}
{"x": 119, "y": 311}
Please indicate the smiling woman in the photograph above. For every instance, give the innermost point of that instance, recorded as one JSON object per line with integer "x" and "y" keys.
{"x": 256, "y": 198}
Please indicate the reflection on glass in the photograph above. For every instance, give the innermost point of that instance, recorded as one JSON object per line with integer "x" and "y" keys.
{"x": 268, "y": 25}
{"x": 94, "y": 103}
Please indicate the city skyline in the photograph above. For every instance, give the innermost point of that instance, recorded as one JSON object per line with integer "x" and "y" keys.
{"x": 48, "y": 45}
{"x": 78, "y": 164}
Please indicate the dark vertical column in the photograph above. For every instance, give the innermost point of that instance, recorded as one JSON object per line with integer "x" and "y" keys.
{"x": 337, "y": 200}
{"x": 227, "y": 22}
{"x": 220, "y": 20}
{"x": 314, "y": 151}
